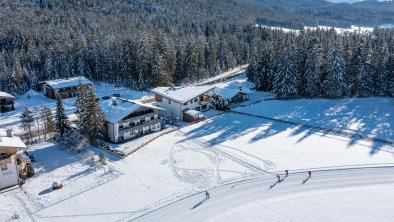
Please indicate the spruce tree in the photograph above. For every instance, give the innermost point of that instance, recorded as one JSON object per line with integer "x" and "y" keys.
{"x": 92, "y": 119}
{"x": 27, "y": 121}
{"x": 335, "y": 84}
{"x": 286, "y": 79}
{"x": 364, "y": 78}
{"x": 61, "y": 119}
{"x": 313, "y": 69}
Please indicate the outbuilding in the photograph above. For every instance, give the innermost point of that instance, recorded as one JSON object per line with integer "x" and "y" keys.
{"x": 66, "y": 88}
{"x": 6, "y": 102}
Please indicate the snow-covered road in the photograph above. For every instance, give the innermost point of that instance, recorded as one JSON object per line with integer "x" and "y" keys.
{"x": 330, "y": 194}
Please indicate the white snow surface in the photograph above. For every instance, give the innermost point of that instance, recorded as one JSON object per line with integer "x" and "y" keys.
{"x": 329, "y": 195}
{"x": 218, "y": 154}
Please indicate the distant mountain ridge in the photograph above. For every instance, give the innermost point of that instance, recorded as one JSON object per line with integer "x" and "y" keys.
{"x": 299, "y": 13}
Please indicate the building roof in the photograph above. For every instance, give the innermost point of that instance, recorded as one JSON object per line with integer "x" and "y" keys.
{"x": 228, "y": 93}
{"x": 6, "y": 95}
{"x": 182, "y": 95}
{"x": 69, "y": 82}
{"x": 123, "y": 107}
{"x": 195, "y": 114}
{"x": 15, "y": 142}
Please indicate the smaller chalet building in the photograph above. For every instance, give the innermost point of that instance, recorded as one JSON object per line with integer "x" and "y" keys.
{"x": 6, "y": 102}
{"x": 177, "y": 101}
{"x": 127, "y": 119}
{"x": 9, "y": 169}
{"x": 66, "y": 88}
{"x": 233, "y": 95}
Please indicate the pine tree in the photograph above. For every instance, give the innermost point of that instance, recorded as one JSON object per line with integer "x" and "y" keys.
{"x": 92, "y": 119}
{"x": 390, "y": 76}
{"x": 61, "y": 119}
{"x": 313, "y": 69}
{"x": 364, "y": 78}
{"x": 286, "y": 79}
{"x": 354, "y": 68}
{"x": 335, "y": 84}
{"x": 27, "y": 121}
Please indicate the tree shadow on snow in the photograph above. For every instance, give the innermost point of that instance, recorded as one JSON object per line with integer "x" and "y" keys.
{"x": 359, "y": 116}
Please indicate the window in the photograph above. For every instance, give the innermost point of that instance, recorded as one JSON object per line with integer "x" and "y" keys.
{"x": 185, "y": 104}
{"x": 4, "y": 167}
{"x": 197, "y": 108}
{"x": 204, "y": 107}
{"x": 195, "y": 100}
{"x": 169, "y": 101}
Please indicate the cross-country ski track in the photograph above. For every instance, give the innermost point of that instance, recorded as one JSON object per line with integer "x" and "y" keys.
{"x": 255, "y": 196}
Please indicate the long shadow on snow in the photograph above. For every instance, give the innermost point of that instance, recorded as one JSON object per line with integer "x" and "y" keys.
{"x": 362, "y": 114}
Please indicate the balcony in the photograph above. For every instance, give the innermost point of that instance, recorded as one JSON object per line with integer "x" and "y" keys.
{"x": 140, "y": 126}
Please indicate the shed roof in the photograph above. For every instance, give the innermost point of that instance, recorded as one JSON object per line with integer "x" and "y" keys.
{"x": 6, "y": 95}
{"x": 229, "y": 93}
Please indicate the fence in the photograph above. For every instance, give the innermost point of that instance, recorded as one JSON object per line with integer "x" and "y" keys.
{"x": 98, "y": 182}
{"x": 325, "y": 129}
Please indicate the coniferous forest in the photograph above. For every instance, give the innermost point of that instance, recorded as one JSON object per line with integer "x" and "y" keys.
{"x": 143, "y": 44}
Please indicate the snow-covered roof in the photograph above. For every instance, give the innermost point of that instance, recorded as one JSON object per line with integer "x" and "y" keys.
{"x": 229, "y": 93}
{"x": 12, "y": 142}
{"x": 69, "y": 82}
{"x": 182, "y": 95}
{"x": 6, "y": 95}
{"x": 195, "y": 114}
{"x": 123, "y": 107}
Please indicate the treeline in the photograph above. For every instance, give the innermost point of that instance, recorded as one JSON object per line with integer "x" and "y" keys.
{"x": 135, "y": 43}
{"x": 138, "y": 44}
{"x": 322, "y": 63}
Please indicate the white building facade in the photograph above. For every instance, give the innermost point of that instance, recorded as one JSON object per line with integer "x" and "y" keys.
{"x": 9, "y": 175}
{"x": 130, "y": 119}
{"x": 176, "y": 101}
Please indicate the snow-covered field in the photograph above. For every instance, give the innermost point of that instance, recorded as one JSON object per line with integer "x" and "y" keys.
{"x": 365, "y": 116}
{"x": 235, "y": 156}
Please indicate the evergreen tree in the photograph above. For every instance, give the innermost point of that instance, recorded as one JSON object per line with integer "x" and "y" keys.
{"x": 61, "y": 119}
{"x": 27, "y": 121}
{"x": 335, "y": 84}
{"x": 364, "y": 79}
{"x": 92, "y": 119}
{"x": 313, "y": 69}
{"x": 286, "y": 79}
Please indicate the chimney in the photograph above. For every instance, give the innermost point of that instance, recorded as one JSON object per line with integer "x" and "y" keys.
{"x": 9, "y": 132}
{"x": 114, "y": 102}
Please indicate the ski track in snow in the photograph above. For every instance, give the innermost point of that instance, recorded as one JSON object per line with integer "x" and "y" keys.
{"x": 267, "y": 190}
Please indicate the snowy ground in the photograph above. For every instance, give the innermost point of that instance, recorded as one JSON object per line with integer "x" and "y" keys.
{"x": 221, "y": 150}
{"x": 333, "y": 195}
{"x": 365, "y": 116}
{"x": 214, "y": 152}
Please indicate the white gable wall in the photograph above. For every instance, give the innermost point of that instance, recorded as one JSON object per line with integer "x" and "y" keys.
{"x": 175, "y": 108}
{"x": 8, "y": 176}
